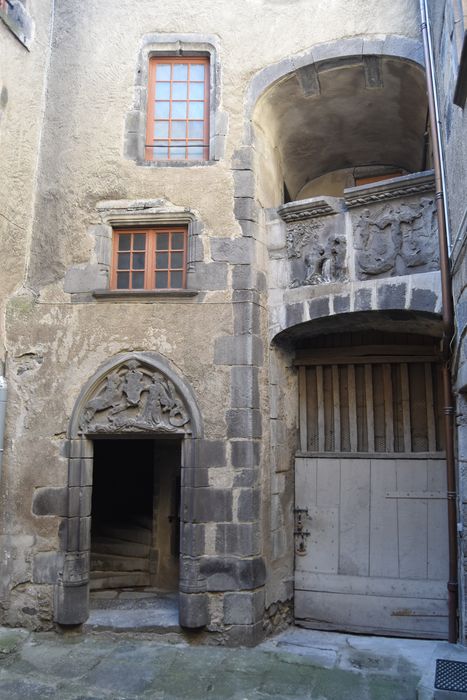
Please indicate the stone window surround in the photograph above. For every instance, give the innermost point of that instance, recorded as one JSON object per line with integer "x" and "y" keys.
{"x": 135, "y": 123}
{"x": 131, "y": 214}
{"x": 93, "y": 280}
{"x": 19, "y": 21}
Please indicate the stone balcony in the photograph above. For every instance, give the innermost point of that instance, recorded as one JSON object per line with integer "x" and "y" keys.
{"x": 374, "y": 249}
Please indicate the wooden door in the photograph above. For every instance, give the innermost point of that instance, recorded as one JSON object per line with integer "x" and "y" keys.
{"x": 371, "y": 516}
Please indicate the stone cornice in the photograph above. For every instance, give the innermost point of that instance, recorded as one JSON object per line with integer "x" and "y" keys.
{"x": 310, "y": 208}
{"x": 405, "y": 186}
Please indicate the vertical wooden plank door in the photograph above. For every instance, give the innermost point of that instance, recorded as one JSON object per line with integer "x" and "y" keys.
{"x": 371, "y": 546}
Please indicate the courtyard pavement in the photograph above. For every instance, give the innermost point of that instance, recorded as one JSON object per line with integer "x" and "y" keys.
{"x": 295, "y": 665}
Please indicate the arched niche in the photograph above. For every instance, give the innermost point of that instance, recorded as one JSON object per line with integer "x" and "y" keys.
{"x": 132, "y": 393}
{"x": 345, "y": 108}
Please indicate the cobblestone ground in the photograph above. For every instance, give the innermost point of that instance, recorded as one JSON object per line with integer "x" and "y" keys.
{"x": 46, "y": 666}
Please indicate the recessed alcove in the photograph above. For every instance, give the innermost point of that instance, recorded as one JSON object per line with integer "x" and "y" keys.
{"x": 135, "y": 527}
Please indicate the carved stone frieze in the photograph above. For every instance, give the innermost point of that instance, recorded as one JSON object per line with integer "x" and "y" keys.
{"x": 319, "y": 253}
{"x": 393, "y": 239}
{"x": 135, "y": 398}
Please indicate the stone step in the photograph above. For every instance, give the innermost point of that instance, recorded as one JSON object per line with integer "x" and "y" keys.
{"x": 127, "y": 533}
{"x": 100, "y": 580}
{"x": 112, "y": 562}
{"x": 108, "y": 545}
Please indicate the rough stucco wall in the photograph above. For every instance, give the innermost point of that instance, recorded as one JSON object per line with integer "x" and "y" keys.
{"x": 22, "y": 76}
{"x": 55, "y": 345}
{"x": 454, "y": 130}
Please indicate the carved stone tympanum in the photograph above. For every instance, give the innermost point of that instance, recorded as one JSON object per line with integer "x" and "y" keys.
{"x": 135, "y": 398}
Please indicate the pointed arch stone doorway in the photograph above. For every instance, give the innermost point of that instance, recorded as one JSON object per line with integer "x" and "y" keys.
{"x": 135, "y": 413}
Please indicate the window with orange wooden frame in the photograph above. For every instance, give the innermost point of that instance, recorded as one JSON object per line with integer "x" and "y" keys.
{"x": 178, "y": 109}
{"x": 149, "y": 258}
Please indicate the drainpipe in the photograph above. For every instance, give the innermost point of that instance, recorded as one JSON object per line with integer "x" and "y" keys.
{"x": 3, "y": 395}
{"x": 448, "y": 321}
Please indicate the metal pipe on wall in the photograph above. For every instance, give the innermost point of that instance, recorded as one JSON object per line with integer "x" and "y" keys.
{"x": 3, "y": 398}
{"x": 448, "y": 321}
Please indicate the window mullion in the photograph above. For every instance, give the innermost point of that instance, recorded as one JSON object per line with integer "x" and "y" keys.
{"x": 149, "y": 273}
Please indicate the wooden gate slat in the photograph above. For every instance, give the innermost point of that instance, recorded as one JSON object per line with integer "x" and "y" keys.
{"x": 404, "y": 373}
{"x": 388, "y": 408}
{"x": 320, "y": 402}
{"x": 430, "y": 414}
{"x": 303, "y": 409}
{"x": 336, "y": 408}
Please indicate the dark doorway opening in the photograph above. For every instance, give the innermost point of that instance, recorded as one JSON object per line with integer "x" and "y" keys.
{"x": 135, "y": 528}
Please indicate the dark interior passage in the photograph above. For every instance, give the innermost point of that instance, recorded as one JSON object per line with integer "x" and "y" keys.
{"x": 135, "y": 518}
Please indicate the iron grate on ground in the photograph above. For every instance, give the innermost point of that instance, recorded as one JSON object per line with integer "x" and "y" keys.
{"x": 451, "y": 675}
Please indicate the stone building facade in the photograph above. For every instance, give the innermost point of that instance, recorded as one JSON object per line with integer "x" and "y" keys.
{"x": 252, "y": 419}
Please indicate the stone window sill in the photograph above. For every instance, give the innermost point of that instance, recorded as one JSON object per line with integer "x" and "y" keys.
{"x": 143, "y": 294}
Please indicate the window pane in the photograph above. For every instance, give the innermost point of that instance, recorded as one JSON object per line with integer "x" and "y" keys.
{"x": 162, "y": 110}
{"x": 124, "y": 241}
{"x": 162, "y": 279}
{"x": 178, "y": 241}
{"x": 179, "y": 110}
{"x": 176, "y": 260}
{"x": 196, "y": 91}
{"x": 161, "y": 130}
{"x": 177, "y": 152}
{"x": 197, "y": 152}
{"x": 123, "y": 280}
{"x": 176, "y": 279}
{"x": 179, "y": 91}
{"x": 161, "y": 150}
{"x": 195, "y": 130}
{"x": 139, "y": 241}
{"x": 162, "y": 241}
{"x": 138, "y": 280}
{"x": 138, "y": 261}
{"x": 162, "y": 261}
{"x": 197, "y": 71}
{"x": 162, "y": 91}
{"x": 163, "y": 72}
{"x": 123, "y": 261}
{"x": 179, "y": 130}
{"x": 196, "y": 110}
{"x": 180, "y": 71}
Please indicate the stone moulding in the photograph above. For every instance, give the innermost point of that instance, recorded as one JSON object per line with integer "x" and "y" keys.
{"x": 310, "y": 208}
{"x": 405, "y": 186}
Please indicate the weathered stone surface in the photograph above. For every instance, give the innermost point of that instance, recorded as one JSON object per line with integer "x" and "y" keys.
{"x": 245, "y": 453}
{"x": 224, "y": 574}
{"x": 248, "y": 505}
{"x": 341, "y": 304}
{"x": 318, "y": 308}
{"x": 245, "y": 387}
{"x": 236, "y": 251}
{"x": 243, "y": 608}
{"x": 234, "y": 539}
{"x": 244, "y": 423}
{"x": 193, "y": 610}
{"x": 212, "y": 453}
{"x": 50, "y": 500}
{"x": 392, "y": 296}
{"x": 208, "y": 276}
{"x": 203, "y": 505}
{"x": 238, "y": 350}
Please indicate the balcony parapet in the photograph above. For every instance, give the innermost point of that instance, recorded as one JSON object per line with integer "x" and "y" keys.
{"x": 383, "y": 229}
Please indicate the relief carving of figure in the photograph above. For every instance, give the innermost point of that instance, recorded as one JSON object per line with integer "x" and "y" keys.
{"x": 108, "y": 397}
{"x": 324, "y": 262}
{"x": 419, "y": 242}
{"x": 135, "y": 399}
{"x": 160, "y": 400}
{"x": 395, "y": 237}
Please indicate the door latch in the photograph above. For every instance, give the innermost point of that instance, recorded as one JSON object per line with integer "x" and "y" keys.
{"x": 300, "y": 534}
